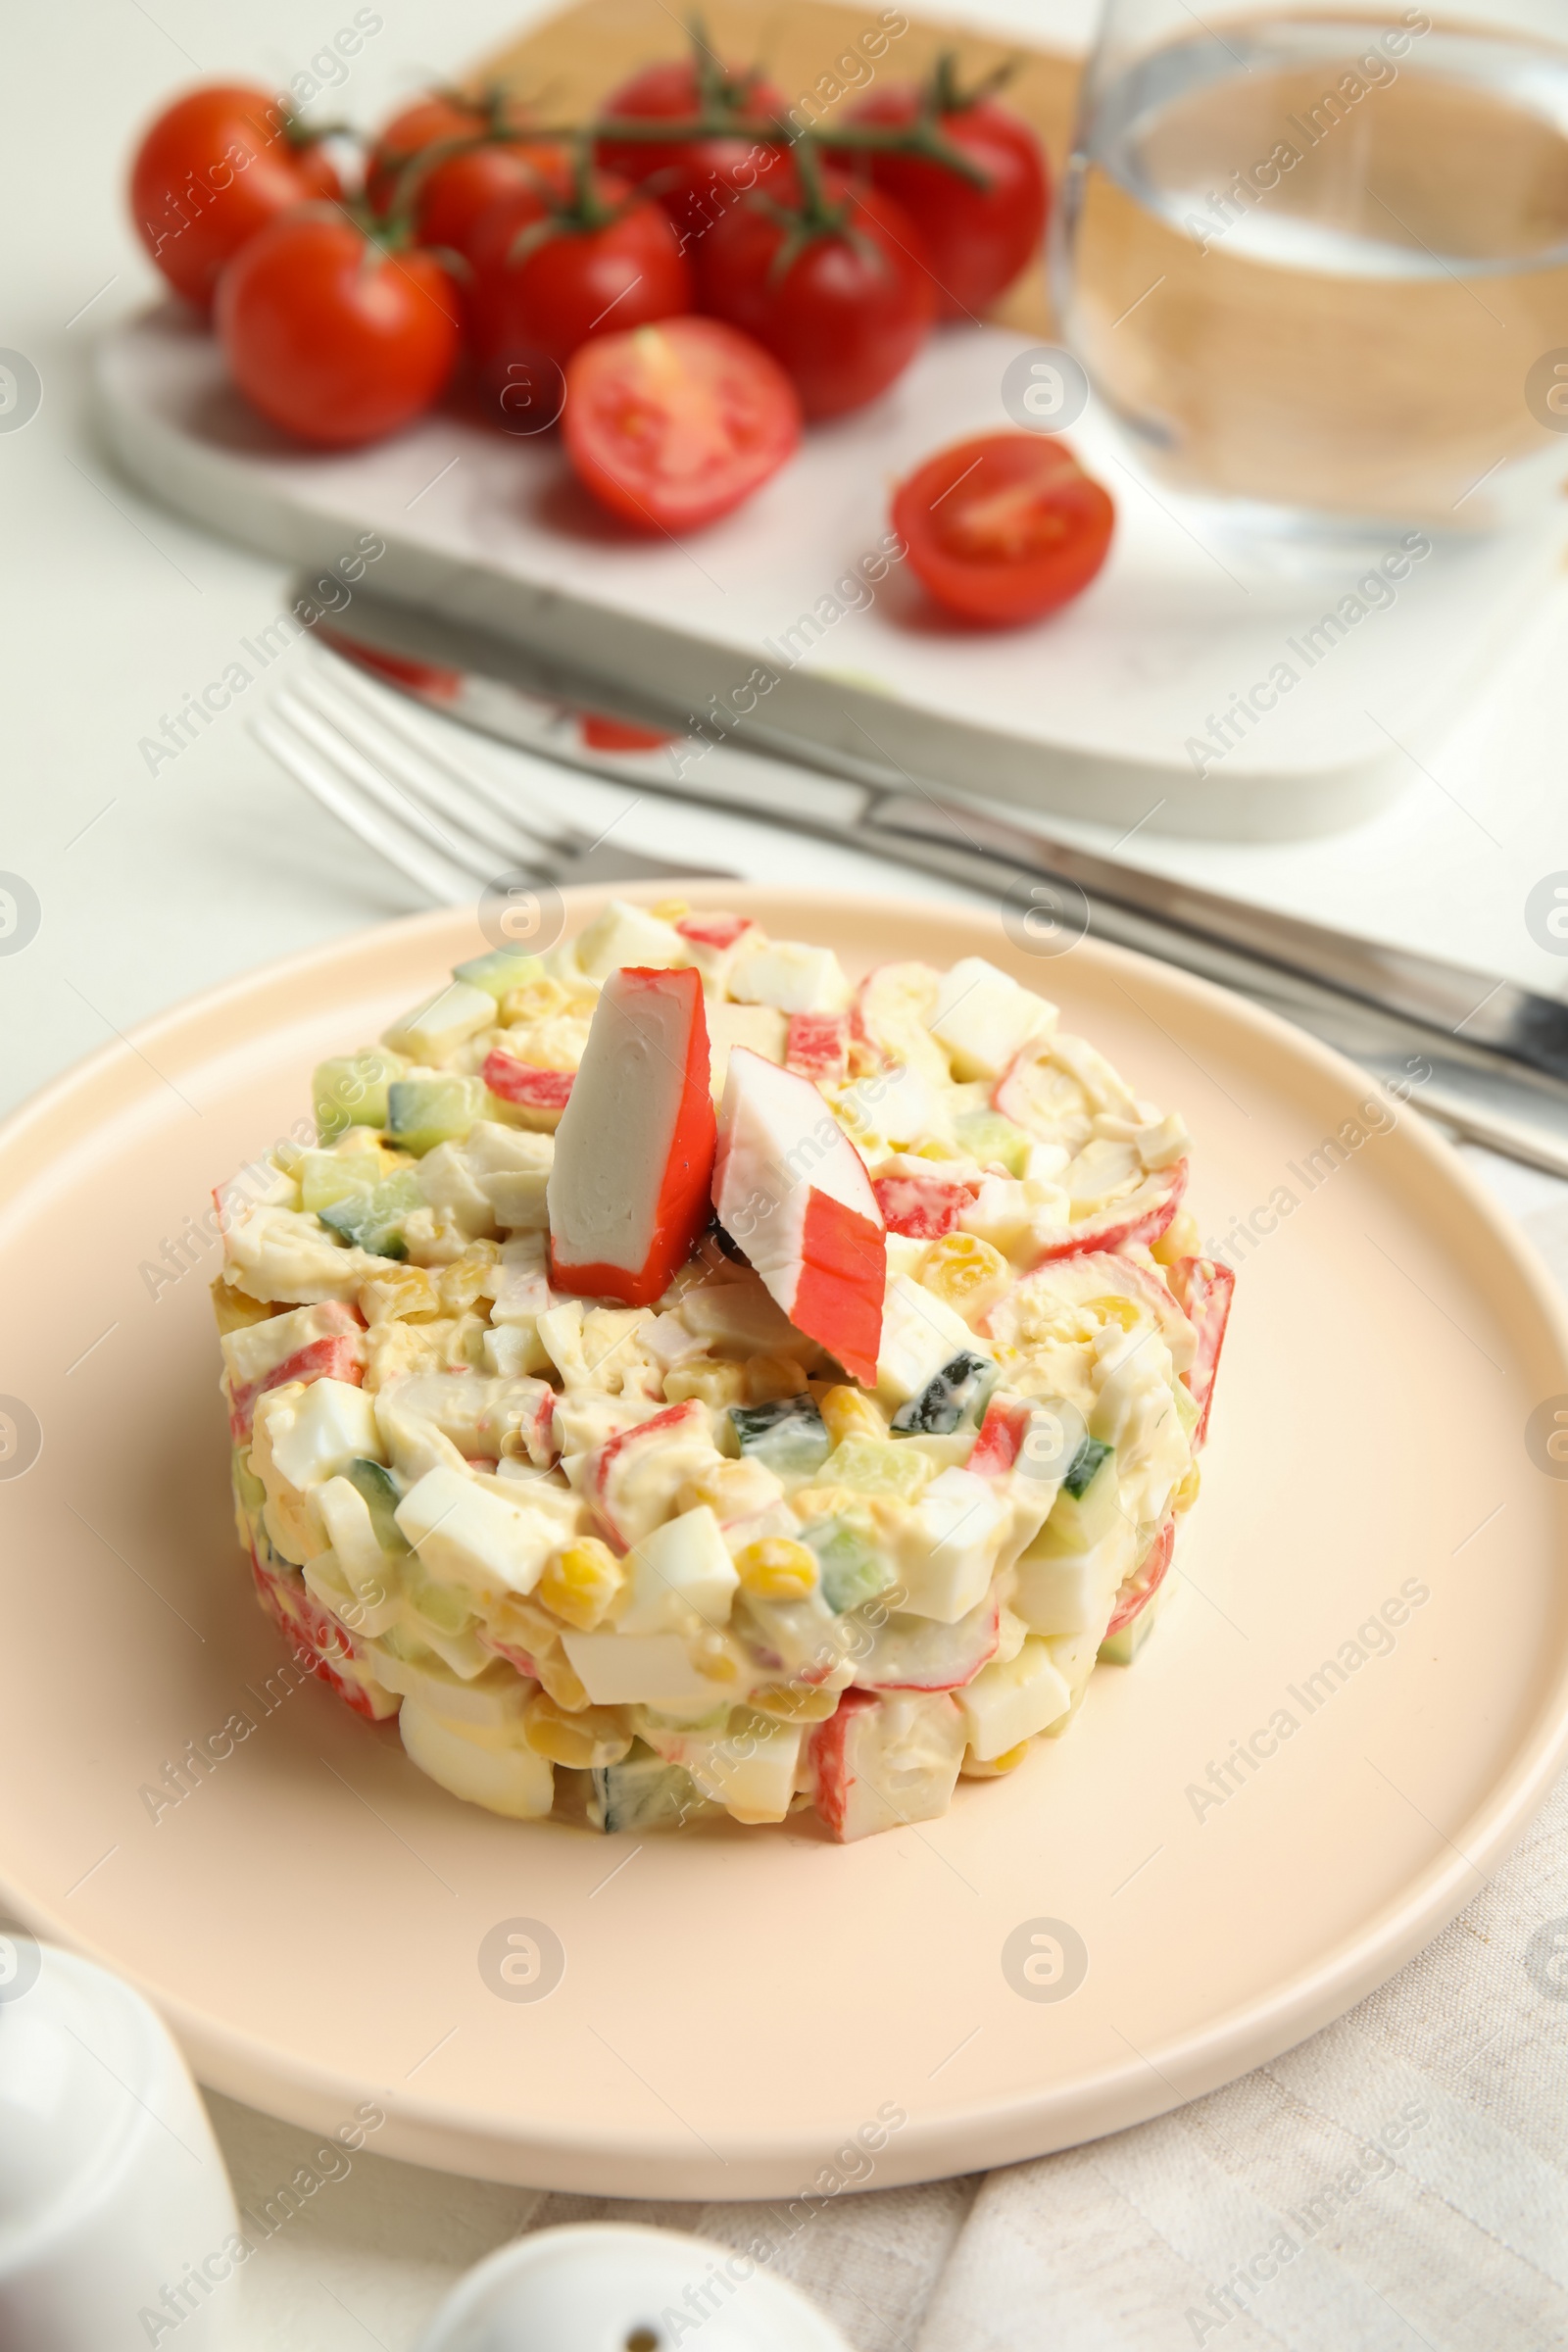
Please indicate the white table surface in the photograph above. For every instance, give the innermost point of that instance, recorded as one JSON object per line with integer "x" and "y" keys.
{"x": 114, "y": 612}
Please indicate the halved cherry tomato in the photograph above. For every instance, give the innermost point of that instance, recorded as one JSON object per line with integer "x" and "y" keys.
{"x": 695, "y": 179}
{"x": 1004, "y": 528}
{"x": 977, "y": 237}
{"x": 838, "y": 291}
{"x": 214, "y": 168}
{"x": 332, "y": 337}
{"x": 549, "y": 279}
{"x": 673, "y": 424}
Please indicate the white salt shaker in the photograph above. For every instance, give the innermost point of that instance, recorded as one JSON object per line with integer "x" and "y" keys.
{"x": 604, "y": 2286}
{"x": 117, "y": 2222}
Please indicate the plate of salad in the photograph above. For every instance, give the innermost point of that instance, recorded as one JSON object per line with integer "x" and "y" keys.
{"x": 726, "y": 1655}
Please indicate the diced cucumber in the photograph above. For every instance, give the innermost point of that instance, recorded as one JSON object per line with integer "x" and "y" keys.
{"x": 877, "y": 1466}
{"x": 444, "y": 1606}
{"x": 422, "y": 1113}
{"x": 327, "y": 1177}
{"x": 502, "y": 969}
{"x": 1120, "y": 1650}
{"x": 247, "y": 1486}
{"x": 1087, "y": 1501}
{"x": 383, "y": 1494}
{"x": 352, "y": 1092}
{"x": 953, "y": 1397}
{"x": 788, "y": 1434}
{"x": 642, "y": 1792}
{"x": 852, "y": 1570}
{"x": 1188, "y": 1412}
{"x": 1084, "y": 1464}
{"x": 374, "y": 1220}
{"x": 986, "y": 1136}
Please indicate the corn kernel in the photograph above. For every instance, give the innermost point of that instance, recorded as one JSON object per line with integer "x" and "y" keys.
{"x": 1186, "y": 1494}
{"x": 560, "y": 1681}
{"x": 776, "y": 1568}
{"x": 461, "y": 1282}
{"x": 705, "y": 1377}
{"x": 580, "y": 1580}
{"x": 965, "y": 1272}
{"x": 1180, "y": 1239}
{"x": 795, "y": 1702}
{"x": 671, "y": 911}
{"x": 1117, "y": 1310}
{"x": 851, "y": 1413}
{"x": 769, "y": 1377}
{"x": 994, "y": 1767}
{"x": 587, "y": 1740}
{"x": 236, "y": 1309}
{"x": 535, "y": 1001}
{"x": 731, "y": 1490}
{"x": 402, "y": 1294}
{"x": 714, "y": 1658}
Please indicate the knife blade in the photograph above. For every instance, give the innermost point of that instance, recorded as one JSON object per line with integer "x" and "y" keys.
{"x": 1494, "y": 1055}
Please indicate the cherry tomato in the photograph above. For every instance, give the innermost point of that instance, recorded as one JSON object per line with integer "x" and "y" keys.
{"x": 332, "y": 337}
{"x": 695, "y": 179}
{"x": 977, "y": 238}
{"x": 546, "y": 279}
{"x": 213, "y": 168}
{"x": 840, "y": 294}
{"x": 454, "y": 198}
{"x": 1004, "y": 528}
{"x": 428, "y": 122}
{"x": 673, "y": 424}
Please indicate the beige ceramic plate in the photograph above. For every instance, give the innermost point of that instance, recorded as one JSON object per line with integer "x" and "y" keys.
{"x": 321, "y": 1925}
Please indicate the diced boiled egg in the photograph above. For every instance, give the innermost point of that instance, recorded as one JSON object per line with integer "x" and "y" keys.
{"x": 791, "y": 977}
{"x": 983, "y": 1017}
{"x": 962, "y": 1521}
{"x": 919, "y": 1335}
{"x": 314, "y": 1433}
{"x": 467, "y": 1533}
{"x": 624, "y": 934}
{"x": 684, "y": 1565}
{"x": 1010, "y": 1702}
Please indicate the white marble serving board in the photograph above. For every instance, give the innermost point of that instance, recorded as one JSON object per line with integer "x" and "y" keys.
{"x": 1092, "y": 714}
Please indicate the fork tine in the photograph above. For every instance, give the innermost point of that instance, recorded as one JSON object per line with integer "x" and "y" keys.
{"x": 494, "y": 840}
{"x": 535, "y": 825}
{"x": 376, "y": 780}
{"x": 448, "y": 886}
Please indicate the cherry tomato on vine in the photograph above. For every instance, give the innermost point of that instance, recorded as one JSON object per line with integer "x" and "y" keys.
{"x": 978, "y": 237}
{"x": 451, "y": 203}
{"x": 1004, "y": 528}
{"x": 673, "y": 424}
{"x": 695, "y": 179}
{"x": 838, "y": 291}
{"x": 547, "y": 278}
{"x": 429, "y": 121}
{"x": 216, "y": 168}
{"x": 427, "y": 159}
{"x": 331, "y": 336}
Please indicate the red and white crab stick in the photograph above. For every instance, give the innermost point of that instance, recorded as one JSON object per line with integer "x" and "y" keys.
{"x": 628, "y": 1190}
{"x": 792, "y": 1190}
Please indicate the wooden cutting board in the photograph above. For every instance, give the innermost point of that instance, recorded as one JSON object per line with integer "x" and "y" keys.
{"x": 814, "y": 50}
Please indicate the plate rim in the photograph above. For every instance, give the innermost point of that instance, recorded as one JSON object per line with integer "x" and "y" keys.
{"x": 978, "y": 2136}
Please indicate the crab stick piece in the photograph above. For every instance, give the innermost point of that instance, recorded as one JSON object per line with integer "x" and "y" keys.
{"x": 628, "y": 1188}
{"x": 791, "y": 1189}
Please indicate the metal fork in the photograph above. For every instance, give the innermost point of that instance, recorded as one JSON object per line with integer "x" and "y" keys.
{"x": 445, "y": 827}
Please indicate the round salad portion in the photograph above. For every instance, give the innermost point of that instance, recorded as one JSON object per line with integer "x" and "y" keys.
{"x": 676, "y": 1382}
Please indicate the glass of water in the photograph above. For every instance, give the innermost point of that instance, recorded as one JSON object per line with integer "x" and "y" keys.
{"x": 1315, "y": 259}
